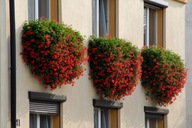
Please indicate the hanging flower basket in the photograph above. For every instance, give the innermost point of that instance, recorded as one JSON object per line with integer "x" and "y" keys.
{"x": 53, "y": 51}
{"x": 163, "y": 75}
{"x": 115, "y": 66}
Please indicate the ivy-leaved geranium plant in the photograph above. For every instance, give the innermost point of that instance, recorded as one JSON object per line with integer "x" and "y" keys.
{"x": 53, "y": 51}
{"x": 115, "y": 66}
{"x": 163, "y": 74}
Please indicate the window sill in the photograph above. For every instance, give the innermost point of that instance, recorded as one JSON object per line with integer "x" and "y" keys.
{"x": 182, "y": 1}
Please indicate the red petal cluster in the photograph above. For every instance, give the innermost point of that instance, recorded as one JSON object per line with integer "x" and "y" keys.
{"x": 163, "y": 75}
{"x": 54, "y": 52}
{"x": 115, "y": 67}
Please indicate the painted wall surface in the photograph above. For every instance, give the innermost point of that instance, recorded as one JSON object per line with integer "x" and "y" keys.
{"x": 4, "y": 66}
{"x": 188, "y": 57}
{"x": 77, "y": 111}
{"x": 130, "y": 28}
{"x": 175, "y": 40}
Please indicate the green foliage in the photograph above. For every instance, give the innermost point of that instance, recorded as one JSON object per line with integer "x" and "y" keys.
{"x": 53, "y": 51}
{"x": 163, "y": 74}
{"x": 115, "y": 66}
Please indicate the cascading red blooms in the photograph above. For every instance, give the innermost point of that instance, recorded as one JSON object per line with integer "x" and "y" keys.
{"x": 115, "y": 74}
{"x": 162, "y": 81}
{"x": 52, "y": 61}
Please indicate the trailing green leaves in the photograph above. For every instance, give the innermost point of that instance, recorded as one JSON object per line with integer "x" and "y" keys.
{"x": 53, "y": 51}
{"x": 163, "y": 74}
{"x": 115, "y": 66}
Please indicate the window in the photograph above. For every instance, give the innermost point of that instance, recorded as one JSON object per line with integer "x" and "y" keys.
{"x": 45, "y": 110}
{"x": 44, "y": 121}
{"x": 155, "y": 117}
{"x": 43, "y": 8}
{"x": 154, "y": 123}
{"x": 104, "y": 17}
{"x": 153, "y": 22}
{"x": 105, "y": 118}
{"x": 106, "y": 114}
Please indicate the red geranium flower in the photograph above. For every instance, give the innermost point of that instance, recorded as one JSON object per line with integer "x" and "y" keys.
{"x": 115, "y": 66}
{"x": 163, "y": 74}
{"x": 53, "y": 51}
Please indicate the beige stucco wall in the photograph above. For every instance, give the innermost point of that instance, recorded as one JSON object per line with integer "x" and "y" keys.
{"x": 77, "y": 111}
{"x": 131, "y": 21}
{"x": 4, "y": 66}
{"x": 188, "y": 57}
{"x": 175, "y": 40}
{"x": 131, "y": 28}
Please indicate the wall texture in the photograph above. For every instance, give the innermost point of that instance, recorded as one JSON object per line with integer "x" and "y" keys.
{"x": 77, "y": 111}
{"x": 4, "y": 65}
{"x": 188, "y": 58}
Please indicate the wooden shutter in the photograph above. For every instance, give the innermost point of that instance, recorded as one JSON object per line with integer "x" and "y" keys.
{"x": 54, "y": 10}
{"x": 112, "y": 17}
{"x": 114, "y": 118}
{"x": 43, "y": 107}
{"x": 56, "y": 121}
{"x": 160, "y": 27}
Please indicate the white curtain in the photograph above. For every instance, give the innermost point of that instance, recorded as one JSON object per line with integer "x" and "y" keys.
{"x": 104, "y": 118}
{"x": 31, "y": 9}
{"x": 145, "y": 26}
{"x": 33, "y": 121}
{"x": 94, "y": 17}
{"x": 103, "y": 30}
{"x": 101, "y": 118}
{"x": 96, "y": 116}
{"x": 45, "y": 121}
{"x": 40, "y": 121}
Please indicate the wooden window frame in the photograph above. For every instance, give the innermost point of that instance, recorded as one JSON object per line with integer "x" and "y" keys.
{"x": 158, "y": 7}
{"x": 158, "y": 114}
{"x": 53, "y": 14}
{"x": 114, "y": 111}
{"x": 112, "y": 19}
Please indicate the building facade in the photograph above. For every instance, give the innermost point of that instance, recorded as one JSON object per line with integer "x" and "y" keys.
{"x": 79, "y": 106}
{"x": 188, "y": 24}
